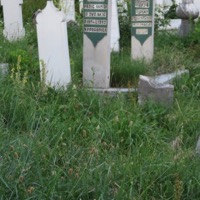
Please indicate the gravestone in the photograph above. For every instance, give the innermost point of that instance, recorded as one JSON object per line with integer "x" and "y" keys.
{"x": 68, "y": 7}
{"x": 13, "y": 24}
{"x": 151, "y": 90}
{"x": 142, "y": 40}
{"x": 53, "y": 47}
{"x": 96, "y": 43}
{"x": 187, "y": 12}
{"x": 115, "y": 34}
{"x": 80, "y": 6}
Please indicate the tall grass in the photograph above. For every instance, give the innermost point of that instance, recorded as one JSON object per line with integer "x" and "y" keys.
{"x": 78, "y": 144}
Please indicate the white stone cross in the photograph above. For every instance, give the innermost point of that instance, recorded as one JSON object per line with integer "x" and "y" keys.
{"x": 53, "y": 47}
{"x": 13, "y": 23}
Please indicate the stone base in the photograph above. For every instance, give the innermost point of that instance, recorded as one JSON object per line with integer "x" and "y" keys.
{"x": 114, "y": 91}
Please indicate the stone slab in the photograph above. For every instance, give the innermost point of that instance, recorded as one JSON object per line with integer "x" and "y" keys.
{"x": 150, "y": 90}
{"x": 168, "y": 78}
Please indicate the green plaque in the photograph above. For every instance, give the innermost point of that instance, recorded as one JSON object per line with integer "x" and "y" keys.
{"x": 95, "y": 19}
{"x": 142, "y": 19}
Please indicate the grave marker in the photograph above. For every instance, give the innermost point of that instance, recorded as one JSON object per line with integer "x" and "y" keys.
{"x": 68, "y": 7}
{"x": 142, "y": 41}
{"x": 96, "y": 44}
{"x": 13, "y": 24}
{"x": 115, "y": 34}
{"x": 53, "y": 47}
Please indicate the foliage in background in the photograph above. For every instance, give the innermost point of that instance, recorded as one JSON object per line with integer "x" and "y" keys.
{"x": 171, "y": 13}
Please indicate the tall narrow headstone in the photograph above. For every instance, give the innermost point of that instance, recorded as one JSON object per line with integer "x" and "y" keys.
{"x": 68, "y": 7}
{"x": 115, "y": 34}
{"x": 142, "y": 40}
{"x": 13, "y": 23}
{"x": 96, "y": 44}
{"x": 53, "y": 46}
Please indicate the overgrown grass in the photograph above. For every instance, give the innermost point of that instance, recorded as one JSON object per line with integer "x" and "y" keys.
{"x": 77, "y": 144}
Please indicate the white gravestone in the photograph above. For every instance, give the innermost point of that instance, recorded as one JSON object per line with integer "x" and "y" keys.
{"x": 68, "y": 7}
{"x": 142, "y": 40}
{"x": 80, "y": 6}
{"x": 13, "y": 23}
{"x": 96, "y": 44}
{"x": 53, "y": 46}
{"x": 115, "y": 34}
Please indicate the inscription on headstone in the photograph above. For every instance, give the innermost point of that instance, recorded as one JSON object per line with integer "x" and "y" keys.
{"x": 142, "y": 29}
{"x": 142, "y": 11}
{"x": 95, "y": 19}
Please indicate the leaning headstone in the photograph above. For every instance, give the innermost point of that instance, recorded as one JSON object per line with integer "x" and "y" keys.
{"x": 68, "y": 7}
{"x": 142, "y": 42}
{"x": 150, "y": 90}
{"x": 53, "y": 47}
{"x": 115, "y": 34}
{"x": 96, "y": 44}
{"x": 13, "y": 24}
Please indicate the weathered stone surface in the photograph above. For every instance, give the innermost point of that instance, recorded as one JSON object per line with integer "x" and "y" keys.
{"x": 114, "y": 91}
{"x": 168, "y": 78}
{"x": 149, "y": 89}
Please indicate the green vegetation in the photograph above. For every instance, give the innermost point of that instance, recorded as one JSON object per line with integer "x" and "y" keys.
{"x": 77, "y": 144}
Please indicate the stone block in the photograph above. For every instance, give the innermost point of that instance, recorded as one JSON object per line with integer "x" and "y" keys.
{"x": 149, "y": 89}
